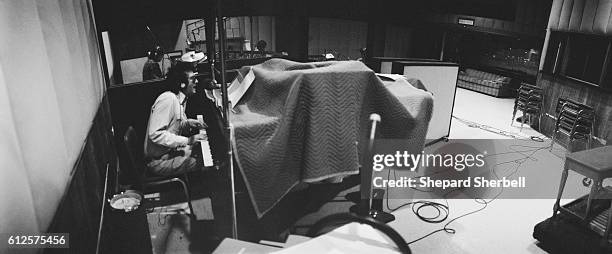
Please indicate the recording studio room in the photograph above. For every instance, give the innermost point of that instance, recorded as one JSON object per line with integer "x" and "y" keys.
{"x": 287, "y": 126}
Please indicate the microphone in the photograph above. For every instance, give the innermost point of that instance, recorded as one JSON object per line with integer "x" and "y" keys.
{"x": 159, "y": 49}
{"x": 375, "y": 118}
{"x": 213, "y": 82}
{"x": 366, "y": 172}
{"x": 374, "y": 197}
{"x": 367, "y": 206}
{"x": 155, "y": 40}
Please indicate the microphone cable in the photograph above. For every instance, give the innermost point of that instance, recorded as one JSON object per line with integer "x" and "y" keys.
{"x": 499, "y": 131}
{"x": 443, "y": 210}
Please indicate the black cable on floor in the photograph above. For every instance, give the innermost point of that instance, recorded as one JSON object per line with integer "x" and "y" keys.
{"x": 444, "y": 209}
{"x": 499, "y": 131}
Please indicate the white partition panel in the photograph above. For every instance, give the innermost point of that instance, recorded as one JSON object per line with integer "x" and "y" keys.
{"x": 440, "y": 79}
{"x": 385, "y": 67}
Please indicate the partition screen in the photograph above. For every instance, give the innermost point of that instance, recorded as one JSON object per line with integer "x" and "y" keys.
{"x": 440, "y": 79}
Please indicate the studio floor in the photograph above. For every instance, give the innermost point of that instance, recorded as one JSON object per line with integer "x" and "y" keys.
{"x": 505, "y": 225}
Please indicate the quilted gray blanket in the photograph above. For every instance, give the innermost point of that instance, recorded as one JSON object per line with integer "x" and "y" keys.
{"x": 307, "y": 122}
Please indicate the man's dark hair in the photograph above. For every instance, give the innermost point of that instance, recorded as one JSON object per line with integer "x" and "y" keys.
{"x": 177, "y": 75}
{"x": 261, "y": 45}
{"x": 155, "y": 54}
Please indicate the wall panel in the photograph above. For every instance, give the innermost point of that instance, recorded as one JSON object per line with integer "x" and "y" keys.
{"x": 586, "y": 16}
{"x": 576, "y": 15}
{"x": 342, "y": 38}
{"x": 555, "y": 14}
{"x": 556, "y": 87}
{"x": 398, "y": 41}
{"x": 528, "y": 19}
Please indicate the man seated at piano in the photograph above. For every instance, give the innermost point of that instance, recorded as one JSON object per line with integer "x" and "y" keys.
{"x": 169, "y": 141}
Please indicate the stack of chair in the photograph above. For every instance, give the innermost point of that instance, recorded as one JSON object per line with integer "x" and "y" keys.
{"x": 529, "y": 102}
{"x": 574, "y": 120}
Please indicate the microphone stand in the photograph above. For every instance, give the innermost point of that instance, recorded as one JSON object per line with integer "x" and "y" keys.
{"x": 365, "y": 207}
{"x": 156, "y": 41}
{"x": 226, "y": 116}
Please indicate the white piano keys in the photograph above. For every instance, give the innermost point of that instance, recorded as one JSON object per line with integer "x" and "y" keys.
{"x": 204, "y": 145}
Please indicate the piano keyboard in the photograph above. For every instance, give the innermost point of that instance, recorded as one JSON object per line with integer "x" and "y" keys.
{"x": 206, "y": 154}
{"x": 205, "y": 146}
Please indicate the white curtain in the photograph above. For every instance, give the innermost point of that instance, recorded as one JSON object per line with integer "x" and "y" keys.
{"x": 586, "y": 16}
{"x": 51, "y": 85}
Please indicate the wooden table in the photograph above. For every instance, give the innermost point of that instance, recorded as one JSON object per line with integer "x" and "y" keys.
{"x": 595, "y": 164}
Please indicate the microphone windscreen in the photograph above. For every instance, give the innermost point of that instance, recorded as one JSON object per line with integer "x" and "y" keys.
{"x": 375, "y": 117}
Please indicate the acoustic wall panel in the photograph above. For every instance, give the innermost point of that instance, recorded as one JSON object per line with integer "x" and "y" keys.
{"x": 588, "y": 16}
{"x": 576, "y": 15}
{"x": 343, "y": 38}
{"x": 555, "y": 14}
{"x": 585, "y": 16}
{"x": 602, "y": 16}
{"x": 528, "y": 17}
{"x": 608, "y": 30}
{"x": 566, "y": 13}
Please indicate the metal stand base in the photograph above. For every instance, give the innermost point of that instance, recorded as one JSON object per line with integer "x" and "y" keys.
{"x": 381, "y": 216}
{"x": 445, "y": 139}
{"x": 375, "y": 206}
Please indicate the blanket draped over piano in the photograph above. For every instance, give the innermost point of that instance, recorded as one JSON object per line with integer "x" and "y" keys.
{"x": 307, "y": 122}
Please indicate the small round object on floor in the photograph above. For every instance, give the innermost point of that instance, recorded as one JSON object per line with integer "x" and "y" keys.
{"x": 537, "y": 139}
{"x": 128, "y": 201}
